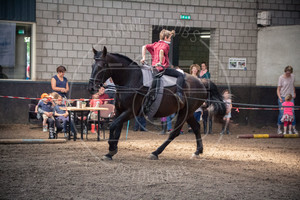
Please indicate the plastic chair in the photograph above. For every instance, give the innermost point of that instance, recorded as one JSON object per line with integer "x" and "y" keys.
{"x": 106, "y": 117}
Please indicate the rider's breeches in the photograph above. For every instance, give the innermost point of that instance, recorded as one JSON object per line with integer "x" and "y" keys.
{"x": 180, "y": 78}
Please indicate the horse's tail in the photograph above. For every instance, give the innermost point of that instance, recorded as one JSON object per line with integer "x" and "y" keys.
{"x": 215, "y": 101}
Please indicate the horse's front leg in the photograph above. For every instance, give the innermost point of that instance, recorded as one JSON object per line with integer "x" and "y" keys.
{"x": 196, "y": 129}
{"x": 115, "y": 133}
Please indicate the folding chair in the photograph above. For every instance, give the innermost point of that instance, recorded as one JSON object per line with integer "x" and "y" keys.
{"x": 32, "y": 116}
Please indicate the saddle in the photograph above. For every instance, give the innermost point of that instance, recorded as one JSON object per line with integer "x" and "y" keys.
{"x": 148, "y": 74}
{"x": 156, "y": 82}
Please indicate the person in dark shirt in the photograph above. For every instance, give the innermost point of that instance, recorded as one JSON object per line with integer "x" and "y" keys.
{"x": 103, "y": 96}
{"x": 59, "y": 83}
{"x": 62, "y": 115}
{"x": 45, "y": 107}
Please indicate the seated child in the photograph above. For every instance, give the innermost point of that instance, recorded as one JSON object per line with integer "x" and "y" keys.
{"x": 95, "y": 102}
{"x": 62, "y": 115}
{"x": 45, "y": 107}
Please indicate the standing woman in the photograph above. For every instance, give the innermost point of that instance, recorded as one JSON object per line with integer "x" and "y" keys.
{"x": 286, "y": 85}
{"x": 59, "y": 83}
{"x": 195, "y": 71}
{"x": 204, "y": 73}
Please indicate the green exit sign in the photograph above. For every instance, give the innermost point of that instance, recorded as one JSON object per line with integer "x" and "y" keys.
{"x": 185, "y": 17}
{"x": 21, "y": 31}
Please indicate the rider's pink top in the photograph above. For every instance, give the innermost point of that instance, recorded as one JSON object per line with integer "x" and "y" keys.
{"x": 288, "y": 110}
{"x": 154, "y": 50}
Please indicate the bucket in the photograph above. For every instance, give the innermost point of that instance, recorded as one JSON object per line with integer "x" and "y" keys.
{"x": 78, "y": 104}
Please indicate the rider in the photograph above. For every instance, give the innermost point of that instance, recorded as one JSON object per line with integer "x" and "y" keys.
{"x": 159, "y": 52}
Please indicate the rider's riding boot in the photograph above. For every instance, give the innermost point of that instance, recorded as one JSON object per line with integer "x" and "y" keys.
{"x": 205, "y": 127}
{"x": 210, "y": 126}
{"x": 180, "y": 97}
{"x": 51, "y": 133}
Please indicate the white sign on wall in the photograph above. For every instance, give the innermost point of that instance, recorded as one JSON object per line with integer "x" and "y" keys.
{"x": 237, "y": 63}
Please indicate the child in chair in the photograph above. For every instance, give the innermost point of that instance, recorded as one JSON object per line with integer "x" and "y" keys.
{"x": 45, "y": 107}
{"x": 62, "y": 115}
{"x": 95, "y": 102}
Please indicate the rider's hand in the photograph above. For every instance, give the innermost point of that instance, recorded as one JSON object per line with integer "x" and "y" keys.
{"x": 143, "y": 61}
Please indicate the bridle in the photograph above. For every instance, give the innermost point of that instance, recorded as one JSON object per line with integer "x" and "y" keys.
{"x": 105, "y": 64}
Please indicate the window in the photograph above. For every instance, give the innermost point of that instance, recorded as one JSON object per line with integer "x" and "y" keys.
{"x": 15, "y": 50}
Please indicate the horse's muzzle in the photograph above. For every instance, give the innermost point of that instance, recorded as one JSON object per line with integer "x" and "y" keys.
{"x": 91, "y": 87}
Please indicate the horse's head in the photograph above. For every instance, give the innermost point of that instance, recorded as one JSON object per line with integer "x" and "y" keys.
{"x": 100, "y": 70}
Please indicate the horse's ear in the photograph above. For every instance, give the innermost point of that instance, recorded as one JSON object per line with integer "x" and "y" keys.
{"x": 104, "y": 52}
{"x": 95, "y": 51}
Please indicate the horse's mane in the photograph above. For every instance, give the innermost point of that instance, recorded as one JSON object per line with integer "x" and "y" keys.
{"x": 125, "y": 58}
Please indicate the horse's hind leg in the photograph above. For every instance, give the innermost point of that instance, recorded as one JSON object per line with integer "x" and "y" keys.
{"x": 196, "y": 129}
{"x": 174, "y": 133}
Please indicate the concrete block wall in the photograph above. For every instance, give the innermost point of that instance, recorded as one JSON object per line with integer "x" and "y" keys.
{"x": 125, "y": 26}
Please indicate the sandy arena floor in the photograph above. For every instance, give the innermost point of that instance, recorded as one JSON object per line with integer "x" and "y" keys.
{"x": 230, "y": 168}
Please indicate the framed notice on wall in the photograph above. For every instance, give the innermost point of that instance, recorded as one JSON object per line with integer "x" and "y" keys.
{"x": 237, "y": 63}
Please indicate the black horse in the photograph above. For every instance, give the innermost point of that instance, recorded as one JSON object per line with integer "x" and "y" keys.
{"x": 127, "y": 76}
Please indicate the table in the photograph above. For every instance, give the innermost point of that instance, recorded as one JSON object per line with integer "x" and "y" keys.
{"x": 74, "y": 110}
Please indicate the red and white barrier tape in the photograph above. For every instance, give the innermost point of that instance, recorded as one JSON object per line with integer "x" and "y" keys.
{"x": 236, "y": 108}
{"x": 12, "y": 97}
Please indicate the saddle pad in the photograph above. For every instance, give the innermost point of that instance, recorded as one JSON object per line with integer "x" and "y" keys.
{"x": 167, "y": 81}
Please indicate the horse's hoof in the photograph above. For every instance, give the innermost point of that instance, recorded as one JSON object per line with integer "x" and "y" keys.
{"x": 114, "y": 152}
{"x": 106, "y": 158}
{"x": 195, "y": 156}
{"x": 153, "y": 157}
